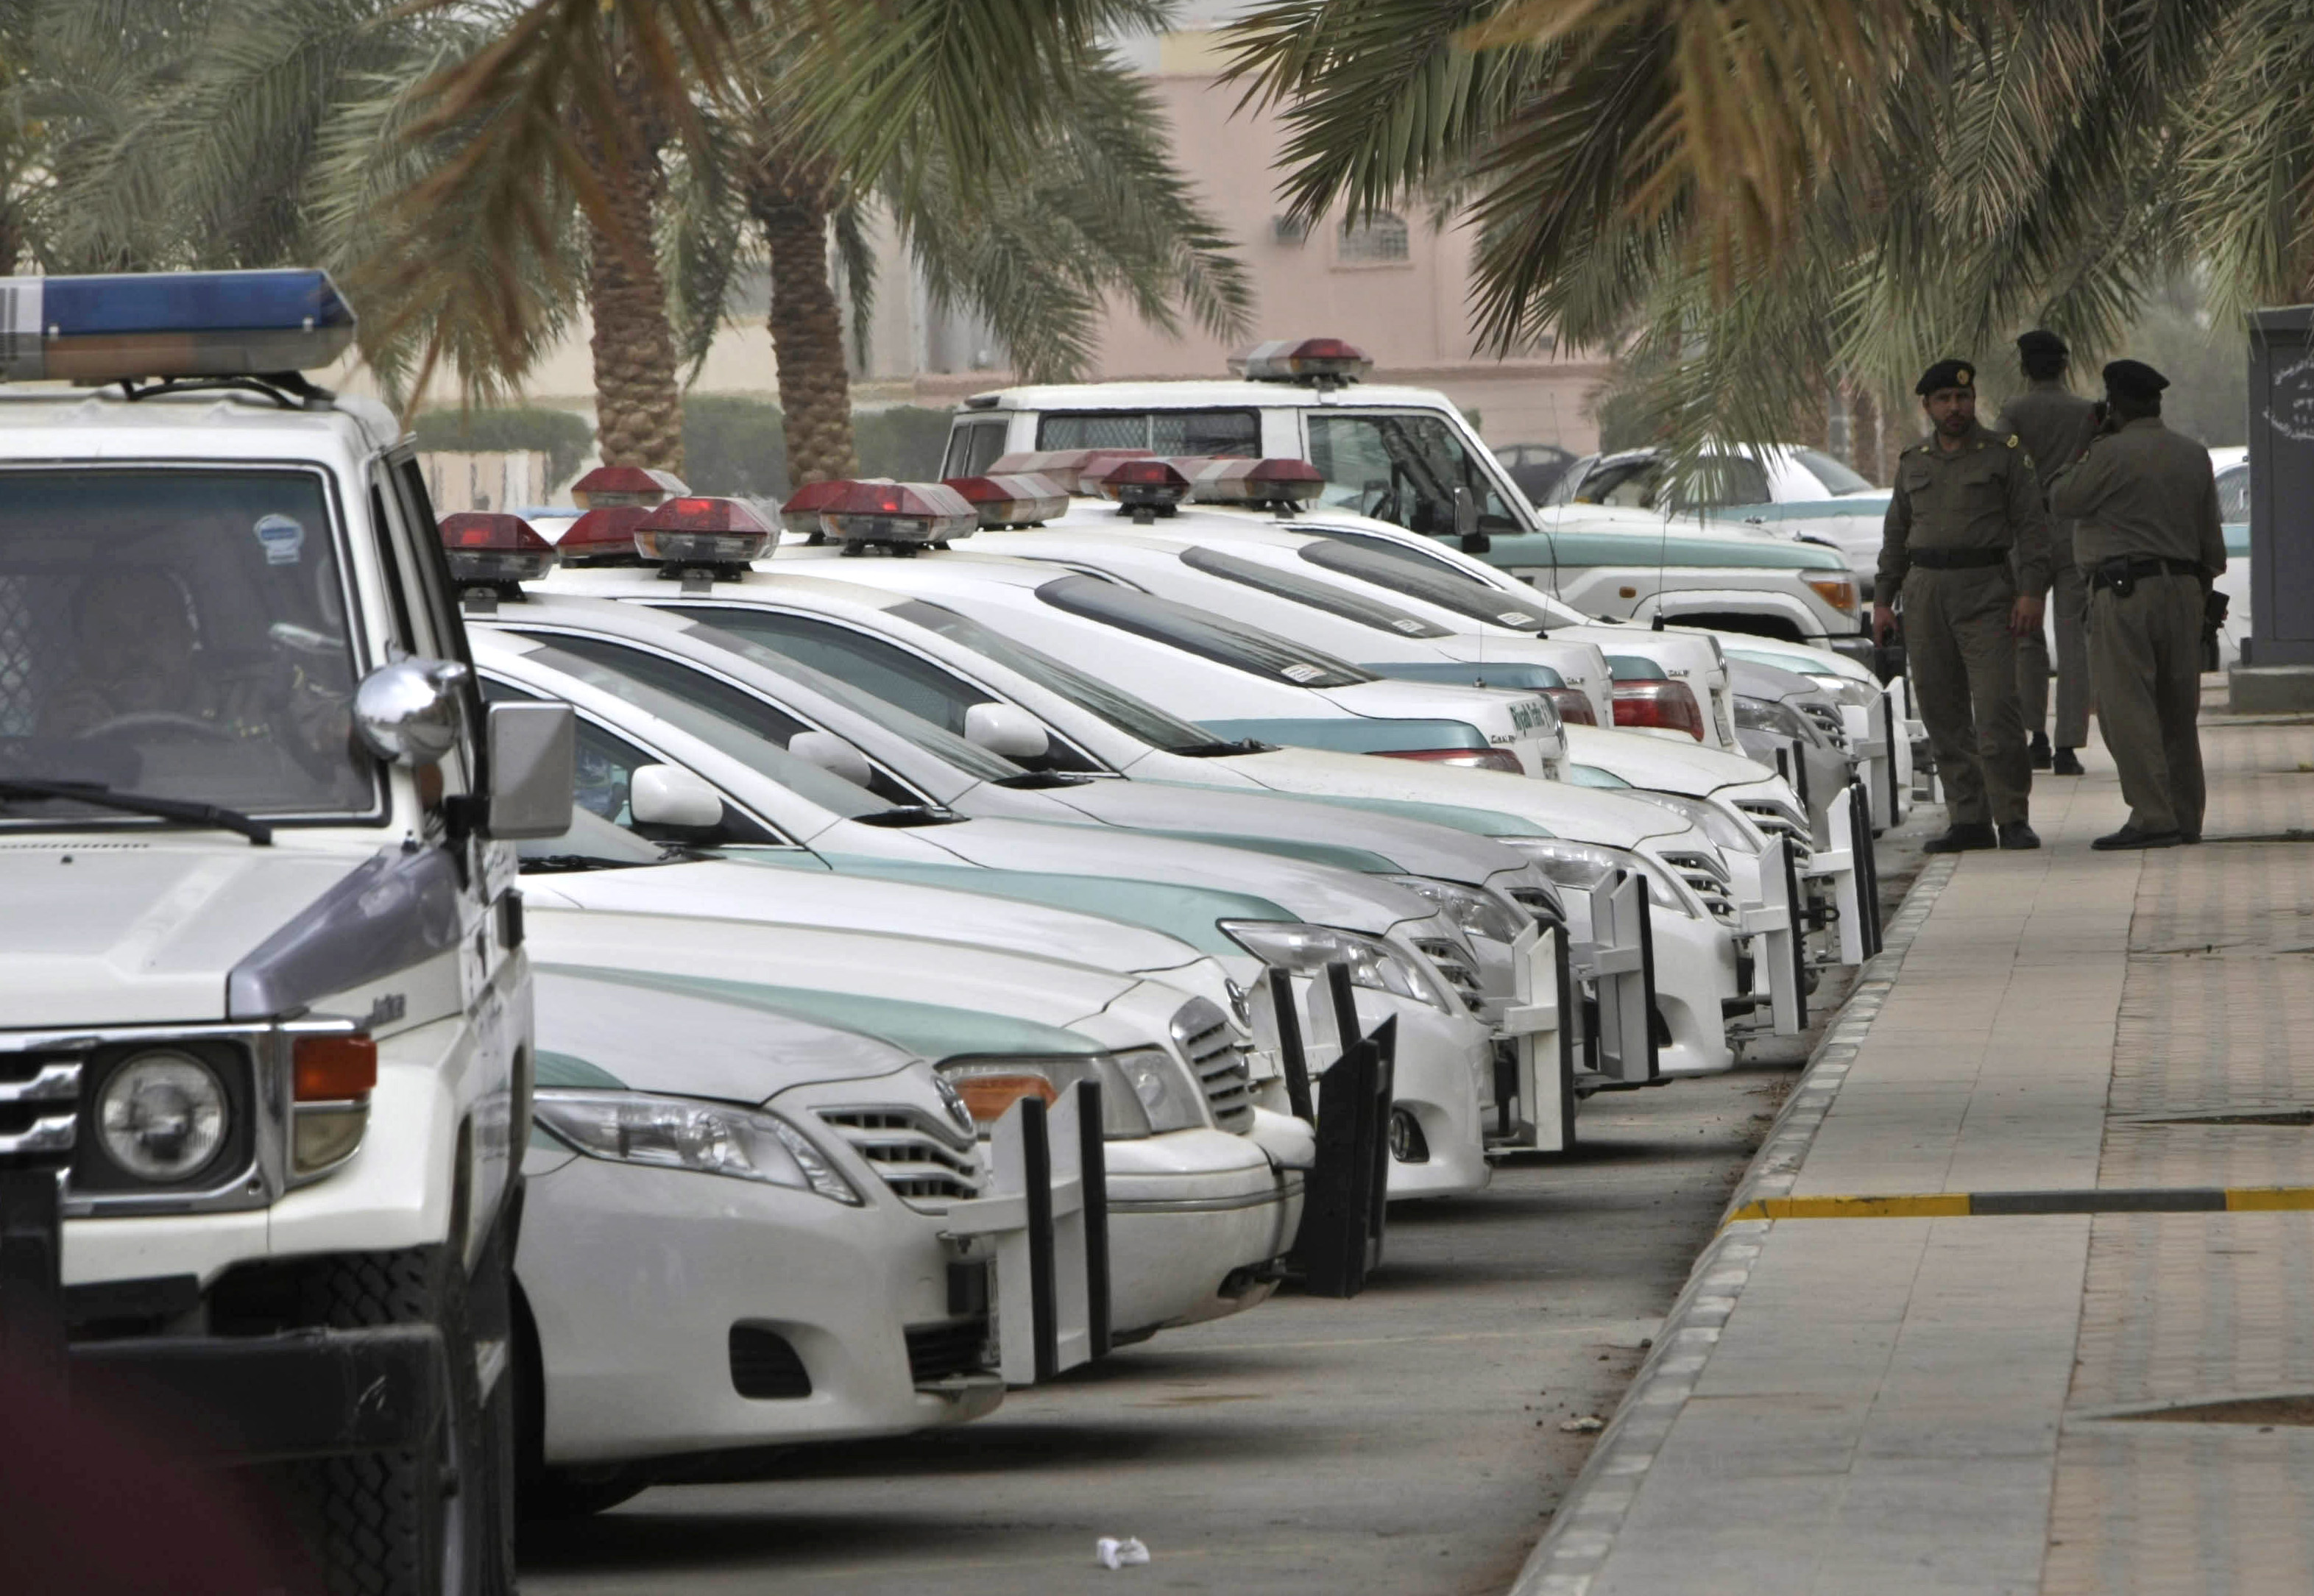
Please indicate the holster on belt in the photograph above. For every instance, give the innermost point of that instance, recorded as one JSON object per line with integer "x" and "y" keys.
{"x": 2115, "y": 574}
{"x": 2214, "y": 605}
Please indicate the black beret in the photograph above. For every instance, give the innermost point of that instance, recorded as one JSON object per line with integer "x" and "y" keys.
{"x": 2041, "y": 341}
{"x": 1946, "y": 374}
{"x": 2133, "y": 379}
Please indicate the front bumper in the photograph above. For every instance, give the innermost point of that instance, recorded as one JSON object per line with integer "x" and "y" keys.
{"x": 636, "y": 1279}
{"x": 1198, "y": 1223}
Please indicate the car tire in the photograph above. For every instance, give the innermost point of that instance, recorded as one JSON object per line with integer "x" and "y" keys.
{"x": 436, "y": 1520}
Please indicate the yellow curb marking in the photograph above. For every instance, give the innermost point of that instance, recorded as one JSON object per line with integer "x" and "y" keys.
{"x": 2248, "y": 1199}
{"x": 2268, "y": 1199}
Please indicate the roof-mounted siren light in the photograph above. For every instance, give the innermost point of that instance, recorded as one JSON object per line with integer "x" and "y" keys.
{"x": 1012, "y": 500}
{"x": 1145, "y": 488}
{"x": 690, "y": 538}
{"x": 898, "y": 517}
{"x": 604, "y": 536}
{"x": 1319, "y": 362}
{"x": 1279, "y": 484}
{"x": 617, "y": 487}
{"x": 174, "y": 326}
{"x": 1077, "y": 471}
{"x": 492, "y": 554}
{"x": 799, "y": 516}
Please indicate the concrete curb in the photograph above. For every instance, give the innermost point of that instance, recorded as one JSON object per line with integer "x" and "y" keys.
{"x": 1582, "y": 1534}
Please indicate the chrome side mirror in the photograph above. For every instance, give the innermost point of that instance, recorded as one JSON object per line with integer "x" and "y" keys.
{"x": 408, "y": 711}
{"x": 1007, "y": 729}
{"x": 833, "y": 754}
{"x": 532, "y": 749}
{"x": 670, "y": 795}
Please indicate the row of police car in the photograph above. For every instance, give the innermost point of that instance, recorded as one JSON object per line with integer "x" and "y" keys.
{"x": 501, "y": 1011}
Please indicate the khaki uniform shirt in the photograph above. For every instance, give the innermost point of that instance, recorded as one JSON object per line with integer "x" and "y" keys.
{"x": 2052, "y": 423}
{"x": 1984, "y": 495}
{"x": 2145, "y": 492}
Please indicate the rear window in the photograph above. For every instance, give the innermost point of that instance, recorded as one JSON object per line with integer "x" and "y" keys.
{"x": 1333, "y": 597}
{"x": 1473, "y": 601}
{"x": 1236, "y": 432}
{"x": 973, "y": 447}
{"x": 1209, "y": 637}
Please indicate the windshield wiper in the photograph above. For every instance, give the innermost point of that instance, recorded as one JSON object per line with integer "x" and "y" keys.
{"x": 1224, "y": 750}
{"x": 137, "y": 803}
{"x": 908, "y": 814}
{"x": 570, "y": 864}
{"x": 1038, "y": 781}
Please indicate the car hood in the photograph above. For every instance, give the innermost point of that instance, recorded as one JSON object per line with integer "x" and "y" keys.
{"x": 730, "y": 889}
{"x": 606, "y": 1030}
{"x": 119, "y": 932}
{"x": 1686, "y": 768}
{"x": 1409, "y": 846}
{"x": 1521, "y": 806}
{"x": 934, "y": 998}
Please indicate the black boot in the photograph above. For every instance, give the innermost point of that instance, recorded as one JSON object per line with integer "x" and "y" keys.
{"x": 1962, "y": 838}
{"x": 2017, "y": 833}
{"x": 2066, "y": 763}
{"x": 2041, "y": 751}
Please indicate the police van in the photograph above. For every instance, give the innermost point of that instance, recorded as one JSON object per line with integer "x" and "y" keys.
{"x": 265, "y": 1013}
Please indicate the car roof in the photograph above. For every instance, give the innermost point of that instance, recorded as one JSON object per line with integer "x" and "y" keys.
{"x": 41, "y": 421}
{"x": 1193, "y": 393}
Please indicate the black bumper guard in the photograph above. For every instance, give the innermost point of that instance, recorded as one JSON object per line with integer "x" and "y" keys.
{"x": 1346, "y": 1192}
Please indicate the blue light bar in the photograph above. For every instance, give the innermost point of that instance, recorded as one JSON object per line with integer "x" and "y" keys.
{"x": 171, "y": 324}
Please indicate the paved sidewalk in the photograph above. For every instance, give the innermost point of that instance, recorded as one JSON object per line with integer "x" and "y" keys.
{"x": 2035, "y": 1368}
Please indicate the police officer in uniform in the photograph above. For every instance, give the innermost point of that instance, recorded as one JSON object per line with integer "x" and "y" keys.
{"x": 1965, "y": 501}
{"x": 2054, "y": 424}
{"x": 2145, "y": 506}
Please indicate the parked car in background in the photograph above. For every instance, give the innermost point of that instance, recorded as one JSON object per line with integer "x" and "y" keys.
{"x": 1536, "y": 468}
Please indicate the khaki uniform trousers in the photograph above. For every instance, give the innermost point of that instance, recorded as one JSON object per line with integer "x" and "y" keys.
{"x": 2068, "y": 615}
{"x": 1964, "y": 666}
{"x": 2145, "y": 663}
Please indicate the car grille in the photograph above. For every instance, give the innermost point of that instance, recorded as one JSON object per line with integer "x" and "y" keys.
{"x": 1538, "y": 903}
{"x": 39, "y": 1103}
{"x": 1704, "y": 879}
{"x": 944, "y": 1350}
{"x": 1826, "y": 717}
{"x": 927, "y": 1164}
{"x": 1774, "y": 821}
{"x": 1455, "y": 965}
{"x": 1217, "y": 1057}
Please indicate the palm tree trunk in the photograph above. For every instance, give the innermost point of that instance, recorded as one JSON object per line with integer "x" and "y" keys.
{"x": 790, "y": 203}
{"x": 638, "y": 406}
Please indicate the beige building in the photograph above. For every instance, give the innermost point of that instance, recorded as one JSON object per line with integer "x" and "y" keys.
{"x": 1397, "y": 287}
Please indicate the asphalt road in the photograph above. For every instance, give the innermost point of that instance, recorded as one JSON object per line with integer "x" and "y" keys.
{"x": 1407, "y": 1441}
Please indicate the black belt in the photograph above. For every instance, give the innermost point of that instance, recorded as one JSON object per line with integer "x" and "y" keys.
{"x": 1957, "y": 559}
{"x": 2149, "y": 565}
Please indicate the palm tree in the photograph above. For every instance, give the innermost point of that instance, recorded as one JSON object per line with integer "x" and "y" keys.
{"x": 1749, "y": 197}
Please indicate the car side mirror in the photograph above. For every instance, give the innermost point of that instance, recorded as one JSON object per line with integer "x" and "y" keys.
{"x": 1466, "y": 522}
{"x": 407, "y": 712}
{"x": 670, "y": 795}
{"x": 532, "y": 750}
{"x": 833, "y": 754}
{"x": 1007, "y": 729}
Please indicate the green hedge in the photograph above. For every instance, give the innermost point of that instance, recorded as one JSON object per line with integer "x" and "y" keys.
{"x": 562, "y": 435}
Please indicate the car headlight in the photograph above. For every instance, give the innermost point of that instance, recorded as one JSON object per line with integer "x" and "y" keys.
{"x": 1763, "y": 714}
{"x": 685, "y": 1133}
{"x": 1476, "y": 913}
{"x": 1308, "y": 949}
{"x": 1583, "y": 865}
{"x": 1143, "y": 1091}
{"x": 1724, "y": 829}
{"x": 163, "y": 1115}
{"x": 1847, "y": 690}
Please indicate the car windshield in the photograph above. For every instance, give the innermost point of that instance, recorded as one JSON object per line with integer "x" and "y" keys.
{"x": 1329, "y": 596}
{"x": 1714, "y": 481}
{"x": 1402, "y": 467}
{"x": 1473, "y": 601}
{"x": 1835, "y": 474}
{"x": 1136, "y": 718}
{"x": 177, "y": 634}
{"x": 726, "y": 736}
{"x": 2234, "y": 494}
{"x": 1193, "y": 630}
{"x": 593, "y": 842}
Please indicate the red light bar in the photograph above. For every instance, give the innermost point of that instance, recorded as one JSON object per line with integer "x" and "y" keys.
{"x": 604, "y": 536}
{"x": 1010, "y": 500}
{"x": 490, "y": 549}
{"x": 898, "y": 516}
{"x": 800, "y": 512}
{"x": 1324, "y": 362}
{"x": 1669, "y": 706}
{"x": 1276, "y": 483}
{"x": 1149, "y": 486}
{"x": 1080, "y": 471}
{"x": 711, "y": 532}
{"x": 610, "y": 485}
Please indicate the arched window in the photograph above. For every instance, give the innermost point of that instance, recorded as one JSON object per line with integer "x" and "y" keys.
{"x": 1378, "y": 240}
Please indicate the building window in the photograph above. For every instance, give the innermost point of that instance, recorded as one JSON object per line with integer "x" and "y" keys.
{"x": 1380, "y": 240}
